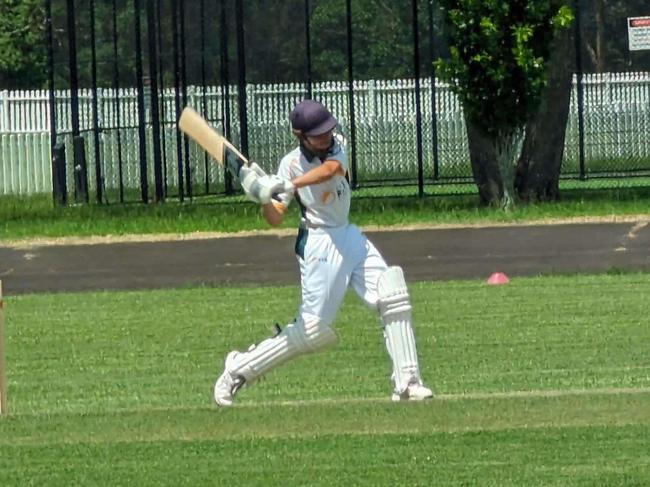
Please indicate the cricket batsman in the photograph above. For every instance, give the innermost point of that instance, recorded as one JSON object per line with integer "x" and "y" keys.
{"x": 332, "y": 254}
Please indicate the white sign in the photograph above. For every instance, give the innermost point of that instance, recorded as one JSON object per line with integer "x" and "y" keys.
{"x": 638, "y": 33}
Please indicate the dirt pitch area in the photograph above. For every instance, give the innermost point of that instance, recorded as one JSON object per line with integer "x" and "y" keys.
{"x": 266, "y": 258}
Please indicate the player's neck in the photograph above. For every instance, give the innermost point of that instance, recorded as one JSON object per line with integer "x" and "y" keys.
{"x": 310, "y": 153}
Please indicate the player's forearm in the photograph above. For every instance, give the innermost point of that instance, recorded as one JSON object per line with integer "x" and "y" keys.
{"x": 274, "y": 213}
{"x": 322, "y": 173}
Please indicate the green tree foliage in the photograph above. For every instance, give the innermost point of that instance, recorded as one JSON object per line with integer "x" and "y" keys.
{"x": 276, "y": 44}
{"x": 497, "y": 67}
{"x": 382, "y": 39}
{"x": 23, "y": 51}
{"x": 275, "y": 38}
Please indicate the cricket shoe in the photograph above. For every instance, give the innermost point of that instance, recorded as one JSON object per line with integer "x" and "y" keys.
{"x": 228, "y": 383}
{"x": 415, "y": 391}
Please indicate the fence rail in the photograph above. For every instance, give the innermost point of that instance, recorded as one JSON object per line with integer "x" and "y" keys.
{"x": 616, "y": 127}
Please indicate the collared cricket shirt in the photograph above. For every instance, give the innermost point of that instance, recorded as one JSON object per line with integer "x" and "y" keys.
{"x": 323, "y": 205}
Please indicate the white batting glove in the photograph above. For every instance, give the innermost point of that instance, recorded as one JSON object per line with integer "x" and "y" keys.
{"x": 261, "y": 187}
{"x": 251, "y": 171}
{"x": 287, "y": 186}
{"x": 248, "y": 176}
{"x": 253, "y": 165}
{"x": 269, "y": 186}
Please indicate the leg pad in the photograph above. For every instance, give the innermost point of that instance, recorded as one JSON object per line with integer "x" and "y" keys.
{"x": 395, "y": 310}
{"x": 304, "y": 336}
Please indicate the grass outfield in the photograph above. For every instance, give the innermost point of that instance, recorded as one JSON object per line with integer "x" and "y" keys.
{"x": 545, "y": 381}
{"x": 29, "y": 217}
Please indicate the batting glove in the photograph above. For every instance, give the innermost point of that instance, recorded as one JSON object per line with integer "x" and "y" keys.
{"x": 248, "y": 178}
{"x": 269, "y": 186}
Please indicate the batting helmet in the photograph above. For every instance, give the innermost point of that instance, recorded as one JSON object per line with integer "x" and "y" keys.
{"x": 311, "y": 118}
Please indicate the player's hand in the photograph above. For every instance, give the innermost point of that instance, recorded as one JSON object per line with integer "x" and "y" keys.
{"x": 248, "y": 176}
{"x": 251, "y": 171}
{"x": 261, "y": 187}
{"x": 287, "y": 186}
{"x": 258, "y": 170}
{"x": 269, "y": 186}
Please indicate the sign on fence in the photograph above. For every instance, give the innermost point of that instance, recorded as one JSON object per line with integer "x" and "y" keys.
{"x": 638, "y": 33}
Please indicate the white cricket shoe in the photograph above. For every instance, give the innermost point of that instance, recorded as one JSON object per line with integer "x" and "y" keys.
{"x": 228, "y": 383}
{"x": 416, "y": 391}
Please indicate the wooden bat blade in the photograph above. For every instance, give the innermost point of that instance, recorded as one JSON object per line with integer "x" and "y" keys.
{"x": 215, "y": 144}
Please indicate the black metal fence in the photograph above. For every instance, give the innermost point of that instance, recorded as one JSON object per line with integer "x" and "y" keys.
{"x": 120, "y": 72}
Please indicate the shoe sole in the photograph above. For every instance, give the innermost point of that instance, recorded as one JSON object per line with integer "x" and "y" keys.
{"x": 398, "y": 398}
{"x": 223, "y": 404}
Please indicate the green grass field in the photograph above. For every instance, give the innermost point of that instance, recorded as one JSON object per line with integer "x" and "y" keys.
{"x": 29, "y": 217}
{"x": 543, "y": 382}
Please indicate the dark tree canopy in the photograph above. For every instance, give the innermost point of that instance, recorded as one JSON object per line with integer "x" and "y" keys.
{"x": 23, "y": 53}
{"x": 498, "y": 57}
{"x": 275, "y": 39}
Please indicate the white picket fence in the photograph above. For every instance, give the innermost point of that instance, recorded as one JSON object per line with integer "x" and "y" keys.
{"x": 616, "y": 123}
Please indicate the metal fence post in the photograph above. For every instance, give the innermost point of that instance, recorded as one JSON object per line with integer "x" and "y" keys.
{"x": 80, "y": 169}
{"x": 224, "y": 78}
{"x": 353, "y": 125}
{"x": 99, "y": 180}
{"x": 142, "y": 133}
{"x": 434, "y": 94}
{"x": 204, "y": 99}
{"x": 241, "y": 79}
{"x": 59, "y": 182}
{"x": 183, "y": 62}
{"x": 116, "y": 104}
{"x": 418, "y": 105}
{"x": 308, "y": 49}
{"x": 154, "y": 103}
{"x": 52, "y": 98}
{"x": 580, "y": 88}
{"x": 177, "y": 99}
{"x": 163, "y": 114}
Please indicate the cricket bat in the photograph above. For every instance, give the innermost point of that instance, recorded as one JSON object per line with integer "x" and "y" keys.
{"x": 200, "y": 131}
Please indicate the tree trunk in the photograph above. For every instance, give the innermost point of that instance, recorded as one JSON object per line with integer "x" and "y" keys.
{"x": 484, "y": 165}
{"x": 538, "y": 168}
{"x": 493, "y": 160}
{"x": 597, "y": 50}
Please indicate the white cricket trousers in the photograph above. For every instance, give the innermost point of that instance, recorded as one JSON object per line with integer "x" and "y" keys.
{"x": 331, "y": 259}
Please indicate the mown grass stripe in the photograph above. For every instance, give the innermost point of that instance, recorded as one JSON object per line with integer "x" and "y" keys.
{"x": 473, "y": 396}
{"x": 467, "y": 396}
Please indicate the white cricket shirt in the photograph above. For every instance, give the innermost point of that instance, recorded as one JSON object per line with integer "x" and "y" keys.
{"x": 323, "y": 205}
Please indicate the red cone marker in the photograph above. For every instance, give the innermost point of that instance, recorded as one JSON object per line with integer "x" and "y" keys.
{"x": 498, "y": 278}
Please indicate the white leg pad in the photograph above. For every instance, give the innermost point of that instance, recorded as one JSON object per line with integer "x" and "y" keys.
{"x": 395, "y": 310}
{"x": 304, "y": 336}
